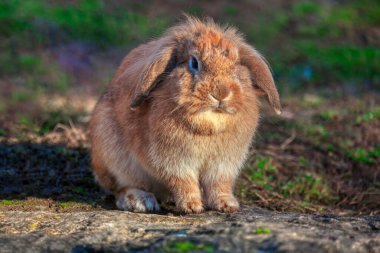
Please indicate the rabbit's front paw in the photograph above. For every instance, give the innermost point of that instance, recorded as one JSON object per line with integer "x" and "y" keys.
{"x": 191, "y": 205}
{"x": 225, "y": 204}
{"x": 135, "y": 200}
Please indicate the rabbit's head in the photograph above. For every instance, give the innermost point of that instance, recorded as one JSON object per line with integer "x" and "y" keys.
{"x": 201, "y": 69}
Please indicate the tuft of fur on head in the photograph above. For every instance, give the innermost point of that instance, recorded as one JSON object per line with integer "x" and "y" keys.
{"x": 207, "y": 36}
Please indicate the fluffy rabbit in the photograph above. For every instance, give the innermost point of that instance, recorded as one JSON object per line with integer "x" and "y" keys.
{"x": 178, "y": 118}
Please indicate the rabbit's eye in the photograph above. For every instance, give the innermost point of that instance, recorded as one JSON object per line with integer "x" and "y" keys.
{"x": 194, "y": 65}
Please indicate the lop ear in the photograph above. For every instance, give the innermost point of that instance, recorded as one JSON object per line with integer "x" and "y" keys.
{"x": 260, "y": 74}
{"x": 148, "y": 66}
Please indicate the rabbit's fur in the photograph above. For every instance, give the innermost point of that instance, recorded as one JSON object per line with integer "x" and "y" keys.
{"x": 160, "y": 130}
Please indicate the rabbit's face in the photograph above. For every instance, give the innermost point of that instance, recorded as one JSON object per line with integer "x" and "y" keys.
{"x": 211, "y": 80}
{"x": 205, "y": 74}
{"x": 208, "y": 85}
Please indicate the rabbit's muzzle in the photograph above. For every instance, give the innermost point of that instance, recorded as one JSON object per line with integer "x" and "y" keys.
{"x": 220, "y": 97}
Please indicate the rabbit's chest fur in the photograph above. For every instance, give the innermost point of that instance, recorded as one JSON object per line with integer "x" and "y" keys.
{"x": 176, "y": 149}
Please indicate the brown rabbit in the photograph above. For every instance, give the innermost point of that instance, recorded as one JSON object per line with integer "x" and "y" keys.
{"x": 178, "y": 119}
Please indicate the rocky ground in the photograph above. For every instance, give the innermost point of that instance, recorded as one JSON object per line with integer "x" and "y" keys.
{"x": 250, "y": 230}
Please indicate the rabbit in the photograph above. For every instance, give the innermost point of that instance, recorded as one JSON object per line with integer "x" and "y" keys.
{"x": 178, "y": 118}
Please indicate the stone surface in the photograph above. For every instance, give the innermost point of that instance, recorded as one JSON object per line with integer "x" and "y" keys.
{"x": 250, "y": 230}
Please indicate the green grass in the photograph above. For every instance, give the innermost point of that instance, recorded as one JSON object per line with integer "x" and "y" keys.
{"x": 324, "y": 44}
{"x": 10, "y": 202}
{"x": 187, "y": 246}
{"x": 50, "y": 119}
{"x": 22, "y": 96}
{"x": 30, "y": 63}
{"x": 262, "y": 172}
{"x": 316, "y": 129}
{"x": 328, "y": 115}
{"x": 26, "y": 121}
{"x": 195, "y": 10}
{"x": 46, "y": 121}
{"x": 86, "y": 19}
{"x": 42, "y": 23}
{"x": 80, "y": 190}
{"x": 230, "y": 10}
{"x": 260, "y": 230}
{"x": 12, "y": 63}
{"x": 28, "y": 28}
{"x": 62, "y": 81}
{"x": 364, "y": 156}
{"x": 303, "y": 161}
{"x": 369, "y": 116}
{"x": 68, "y": 204}
{"x": 312, "y": 100}
{"x": 306, "y": 8}
{"x": 321, "y": 48}
{"x": 307, "y": 187}
{"x": 349, "y": 63}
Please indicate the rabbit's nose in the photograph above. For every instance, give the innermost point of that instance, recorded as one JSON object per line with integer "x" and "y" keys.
{"x": 220, "y": 93}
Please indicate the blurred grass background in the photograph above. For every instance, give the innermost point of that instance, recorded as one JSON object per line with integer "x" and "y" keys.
{"x": 57, "y": 56}
{"x": 312, "y": 43}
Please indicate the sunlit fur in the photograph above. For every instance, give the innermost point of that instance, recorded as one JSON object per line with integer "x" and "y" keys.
{"x": 158, "y": 128}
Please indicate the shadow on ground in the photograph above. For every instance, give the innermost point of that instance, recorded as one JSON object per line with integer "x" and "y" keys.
{"x": 54, "y": 176}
